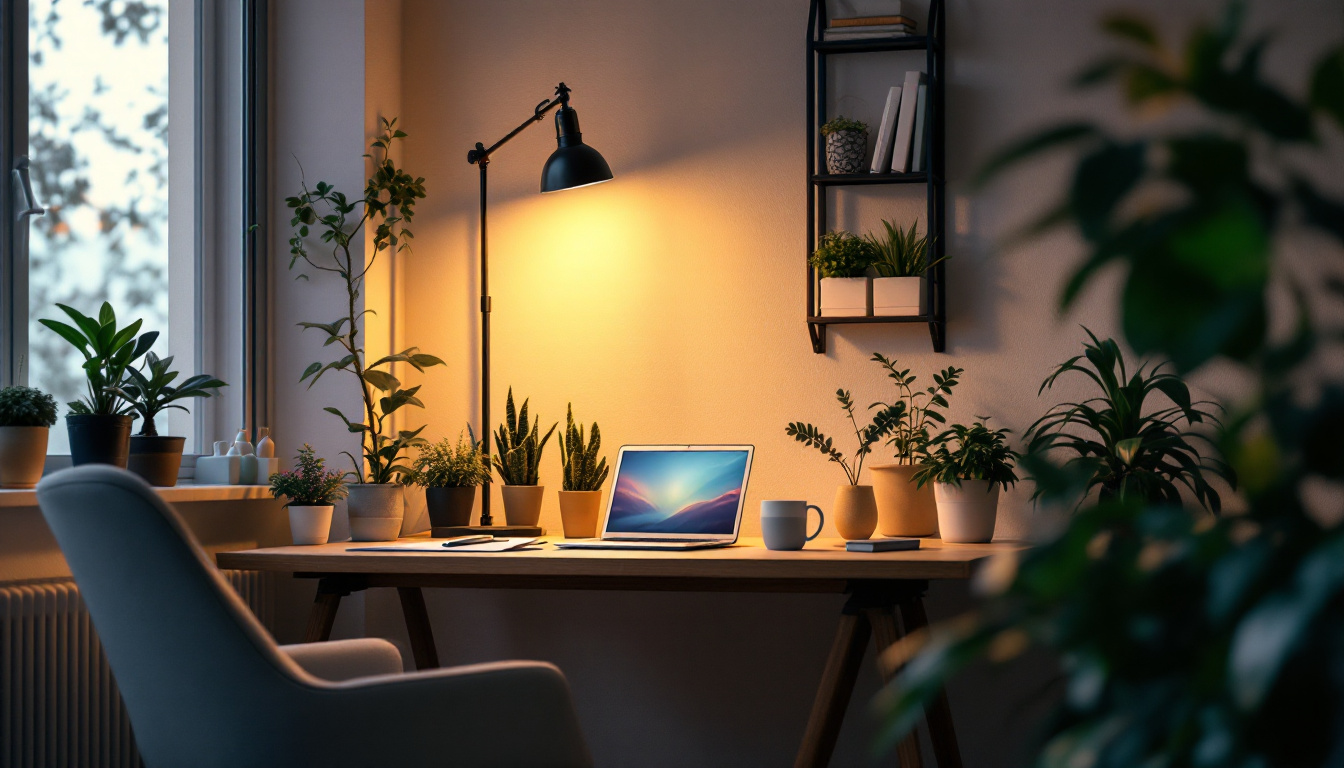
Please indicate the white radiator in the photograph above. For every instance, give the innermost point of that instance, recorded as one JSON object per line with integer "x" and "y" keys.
{"x": 59, "y": 705}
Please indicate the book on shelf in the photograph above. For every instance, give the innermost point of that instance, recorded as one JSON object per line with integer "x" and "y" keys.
{"x": 921, "y": 123}
{"x": 865, "y": 33}
{"x": 905, "y": 123}
{"x": 886, "y": 131}
{"x": 871, "y": 21}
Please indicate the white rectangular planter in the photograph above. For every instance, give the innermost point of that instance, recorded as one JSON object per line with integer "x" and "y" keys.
{"x": 899, "y": 296}
{"x": 846, "y": 297}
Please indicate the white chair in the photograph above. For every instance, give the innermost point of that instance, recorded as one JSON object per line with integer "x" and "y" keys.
{"x": 206, "y": 685}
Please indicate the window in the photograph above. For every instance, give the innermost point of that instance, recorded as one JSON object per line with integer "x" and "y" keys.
{"x": 131, "y": 116}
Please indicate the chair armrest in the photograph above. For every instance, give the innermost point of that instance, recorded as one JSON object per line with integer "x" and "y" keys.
{"x": 337, "y": 660}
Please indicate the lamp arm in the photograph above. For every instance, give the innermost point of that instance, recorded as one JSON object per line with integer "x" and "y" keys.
{"x": 480, "y": 153}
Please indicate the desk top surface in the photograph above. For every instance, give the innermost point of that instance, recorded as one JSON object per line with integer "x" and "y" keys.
{"x": 748, "y": 559}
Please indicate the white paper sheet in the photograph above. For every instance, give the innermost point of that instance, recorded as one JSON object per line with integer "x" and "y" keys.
{"x": 436, "y": 545}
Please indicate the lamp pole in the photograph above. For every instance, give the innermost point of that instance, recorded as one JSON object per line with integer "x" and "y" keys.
{"x": 486, "y": 519}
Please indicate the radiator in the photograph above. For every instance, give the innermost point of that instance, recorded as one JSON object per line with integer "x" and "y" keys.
{"x": 59, "y": 705}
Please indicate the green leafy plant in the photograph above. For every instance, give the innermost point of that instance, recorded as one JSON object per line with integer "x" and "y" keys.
{"x": 151, "y": 393}
{"x": 841, "y": 123}
{"x": 868, "y": 436}
{"x": 26, "y": 407}
{"x": 388, "y": 205}
{"x": 1192, "y": 640}
{"x": 968, "y": 453}
{"x": 910, "y": 433}
{"x": 842, "y": 254}
{"x": 1127, "y": 449}
{"x": 108, "y": 352}
{"x": 583, "y": 471}
{"x": 518, "y": 451}
{"x": 445, "y": 464}
{"x": 902, "y": 253}
{"x": 310, "y": 484}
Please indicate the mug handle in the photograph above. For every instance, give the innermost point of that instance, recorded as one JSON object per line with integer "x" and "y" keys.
{"x": 821, "y": 520}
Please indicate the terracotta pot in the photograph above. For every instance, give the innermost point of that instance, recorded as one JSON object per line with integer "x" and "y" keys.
{"x": 855, "y": 511}
{"x": 23, "y": 454}
{"x": 156, "y": 458}
{"x": 966, "y": 514}
{"x": 449, "y": 505}
{"x": 522, "y": 503}
{"x": 310, "y": 525}
{"x": 375, "y": 511}
{"x": 579, "y": 511}
{"x": 98, "y": 438}
{"x": 903, "y": 509}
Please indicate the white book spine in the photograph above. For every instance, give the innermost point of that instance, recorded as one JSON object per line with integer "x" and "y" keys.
{"x": 882, "y": 151}
{"x": 921, "y": 121}
{"x": 905, "y": 124}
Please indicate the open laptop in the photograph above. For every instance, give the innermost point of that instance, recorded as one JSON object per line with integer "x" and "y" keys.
{"x": 674, "y": 497}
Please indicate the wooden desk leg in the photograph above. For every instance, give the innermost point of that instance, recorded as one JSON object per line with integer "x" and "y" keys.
{"x": 323, "y": 616}
{"x": 939, "y": 713}
{"x": 837, "y": 685}
{"x": 417, "y": 626}
{"x": 885, "y": 635}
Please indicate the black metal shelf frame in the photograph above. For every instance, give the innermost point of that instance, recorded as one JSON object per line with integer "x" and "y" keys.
{"x": 933, "y": 44}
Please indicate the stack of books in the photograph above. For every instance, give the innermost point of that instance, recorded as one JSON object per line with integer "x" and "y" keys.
{"x": 900, "y": 135}
{"x": 868, "y": 27}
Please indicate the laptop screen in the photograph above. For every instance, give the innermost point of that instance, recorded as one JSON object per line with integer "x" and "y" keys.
{"x": 677, "y": 492}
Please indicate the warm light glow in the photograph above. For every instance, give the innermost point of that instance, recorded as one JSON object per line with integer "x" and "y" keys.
{"x": 576, "y": 186}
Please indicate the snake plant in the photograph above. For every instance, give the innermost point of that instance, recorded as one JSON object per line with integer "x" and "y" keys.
{"x": 519, "y": 450}
{"x": 583, "y": 471}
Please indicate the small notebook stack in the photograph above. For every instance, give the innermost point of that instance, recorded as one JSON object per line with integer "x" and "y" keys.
{"x": 868, "y": 27}
{"x": 881, "y": 545}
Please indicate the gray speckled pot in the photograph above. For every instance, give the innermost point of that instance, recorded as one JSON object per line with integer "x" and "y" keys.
{"x": 845, "y": 151}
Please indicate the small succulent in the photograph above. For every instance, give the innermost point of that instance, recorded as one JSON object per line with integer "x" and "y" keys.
{"x": 311, "y": 484}
{"x": 26, "y": 407}
{"x": 447, "y": 465}
{"x": 518, "y": 454}
{"x": 583, "y": 471}
{"x": 841, "y": 123}
{"x": 842, "y": 254}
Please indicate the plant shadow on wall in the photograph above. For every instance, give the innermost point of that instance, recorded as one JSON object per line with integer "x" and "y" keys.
{"x": 1189, "y": 639}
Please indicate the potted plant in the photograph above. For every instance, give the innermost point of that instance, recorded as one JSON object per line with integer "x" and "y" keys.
{"x": 155, "y": 457}
{"x": 449, "y": 473}
{"x": 312, "y": 491}
{"x": 855, "y": 511}
{"x": 901, "y": 261}
{"x": 99, "y": 425}
{"x": 584, "y": 473}
{"x": 842, "y": 260}
{"x": 1126, "y": 449}
{"x": 26, "y": 416}
{"x": 846, "y": 144}
{"x": 517, "y": 459}
{"x": 376, "y": 504}
{"x": 967, "y": 466}
{"x": 903, "y": 507}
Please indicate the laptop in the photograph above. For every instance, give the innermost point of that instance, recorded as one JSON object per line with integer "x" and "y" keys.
{"x": 674, "y": 497}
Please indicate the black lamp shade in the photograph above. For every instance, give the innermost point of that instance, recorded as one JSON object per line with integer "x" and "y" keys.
{"x": 573, "y": 163}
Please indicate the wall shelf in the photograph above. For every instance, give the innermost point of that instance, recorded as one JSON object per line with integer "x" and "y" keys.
{"x": 931, "y": 44}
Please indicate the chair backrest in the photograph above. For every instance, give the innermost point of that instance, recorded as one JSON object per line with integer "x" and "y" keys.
{"x": 196, "y": 669}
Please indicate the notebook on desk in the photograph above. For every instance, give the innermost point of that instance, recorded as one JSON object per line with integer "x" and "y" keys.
{"x": 674, "y": 497}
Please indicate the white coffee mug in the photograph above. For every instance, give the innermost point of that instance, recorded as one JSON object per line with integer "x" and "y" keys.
{"x": 784, "y": 524}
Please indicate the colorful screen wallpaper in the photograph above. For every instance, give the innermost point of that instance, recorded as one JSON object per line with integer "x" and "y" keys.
{"x": 677, "y": 492}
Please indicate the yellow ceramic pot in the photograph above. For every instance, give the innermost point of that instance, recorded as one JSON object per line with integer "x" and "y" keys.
{"x": 855, "y": 511}
{"x": 902, "y": 508}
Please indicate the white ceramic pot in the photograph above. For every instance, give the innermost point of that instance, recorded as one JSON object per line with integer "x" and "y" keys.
{"x": 310, "y": 525}
{"x": 898, "y": 296}
{"x": 903, "y": 509}
{"x": 375, "y": 511}
{"x": 23, "y": 453}
{"x": 966, "y": 514}
{"x": 846, "y": 297}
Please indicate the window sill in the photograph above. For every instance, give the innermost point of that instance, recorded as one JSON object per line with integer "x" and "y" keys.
{"x": 186, "y": 492}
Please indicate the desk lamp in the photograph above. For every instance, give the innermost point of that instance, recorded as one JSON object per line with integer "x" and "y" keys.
{"x": 572, "y": 164}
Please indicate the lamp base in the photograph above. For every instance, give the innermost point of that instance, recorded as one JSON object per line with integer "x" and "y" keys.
{"x": 449, "y": 531}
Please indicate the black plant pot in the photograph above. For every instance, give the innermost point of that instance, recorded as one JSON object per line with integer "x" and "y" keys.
{"x": 450, "y": 506}
{"x": 98, "y": 438}
{"x": 156, "y": 458}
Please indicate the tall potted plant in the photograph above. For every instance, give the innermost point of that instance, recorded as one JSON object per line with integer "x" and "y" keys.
{"x": 449, "y": 472}
{"x": 901, "y": 261}
{"x": 903, "y": 507}
{"x": 100, "y": 424}
{"x": 855, "y": 511}
{"x": 584, "y": 473}
{"x": 312, "y": 492}
{"x": 517, "y": 459}
{"x": 376, "y": 503}
{"x": 26, "y": 416}
{"x": 842, "y": 261}
{"x": 157, "y": 458}
{"x": 966, "y": 467}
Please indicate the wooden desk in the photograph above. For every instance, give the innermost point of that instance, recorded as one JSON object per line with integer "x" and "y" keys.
{"x": 881, "y": 588}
